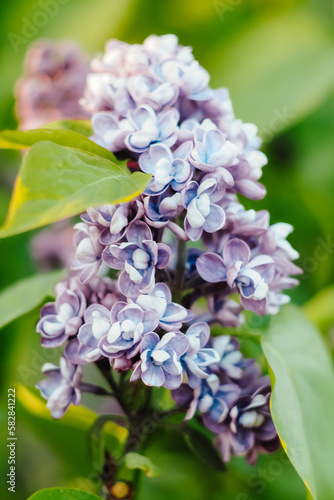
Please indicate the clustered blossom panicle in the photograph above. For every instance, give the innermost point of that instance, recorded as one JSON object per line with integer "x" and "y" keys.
{"x": 152, "y": 104}
{"x": 53, "y": 82}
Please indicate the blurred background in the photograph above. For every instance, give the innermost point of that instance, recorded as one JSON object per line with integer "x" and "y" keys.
{"x": 277, "y": 59}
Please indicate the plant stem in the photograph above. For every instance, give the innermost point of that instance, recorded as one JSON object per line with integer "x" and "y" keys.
{"x": 94, "y": 389}
{"x": 180, "y": 269}
{"x": 106, "y": 372}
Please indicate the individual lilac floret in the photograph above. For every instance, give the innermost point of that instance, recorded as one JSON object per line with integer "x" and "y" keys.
{"x": 88, "y": 251}
{"x": 171, "y": 315}
{"x": 275, "y": 298}
{"x": 102, "y": 294}
{"x": 139, "y": 257}
{"x": 61, "y": 388}
{"x": 167, "y": 168}
{"x": 109, "y": 131}
{"x": 192, "y": 79}
{"x": 112, "y": 220}
{"x": 202, "y": 211}
{"x": 249, "y": 428}
{"x": 62, "y": 318}
{"x": 274, "y": 243}
{"x": 128, "y": 324}
{"x": 150, "y": 90}
{"x": 239, "y": 223}
{"x": 244, "y": 184}
{"x": 198, "y": 358}
{"x": 150, "y": 128}
{"x": 85, "y": 347}
{"x": 159, "y": 363}
{"x": 213, "y": 400}
{"x": 160, "y": 209}
{"x": 106, "y": 92}
{"x": 225, "y": 311}
{"x": 212, "y": 151}
{"x": 231, "y": 362}
{"x": 238, "y": 269}
{"x": 166, "y": 47}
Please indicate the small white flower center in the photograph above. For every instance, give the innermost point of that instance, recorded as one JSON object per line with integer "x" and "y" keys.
{"x": 203, "y": 204}
{"x": 251, "y": 419}
{"x": 159, "y": 357}
{"x": 128, "y": 327}
{"x": 140, "y": 259}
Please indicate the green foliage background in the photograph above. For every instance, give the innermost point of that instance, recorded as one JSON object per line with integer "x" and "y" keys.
{"x": 277, "y": 59}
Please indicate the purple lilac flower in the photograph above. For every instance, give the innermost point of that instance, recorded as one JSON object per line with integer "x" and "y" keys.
{"x": 251, "y": 276}
{"x": 150, "y": 90}
{"x": 171, "y": 315}
{"x": 197, "y": 357}
{"x": 191, "y": 79}
{"x": 244, "y": 183}
{"x": 150, "y": 128}
{"x": 112, "y": 220}
{"x": 225, "y": 311}
{"x": 231, "y": 362}
{"x": 139, "y": 257}
{"x": 213, "y": 400}
{"x": 85, "y": 348}
{"x": 274, "y": 243}
{"x": 165, "y": 47}
{"x": 212, "y": 151}
{"x": 160, "y": 209}
{"x": 99, "y": 290}
{"x": 153, "y": 104}
{"x": 52, "y": 248}
{"x": 88, "y": 253}
{"x": 111, "y": 334}
{"x": 62, "y": 318}
{"x": 53, "y": 82}
{"x": 167, "y": 168}
{"x": 202, "y": 211}
{"x": 275, "y": 298}
{"x": 109, "y": 131}
{"x": 159, "y": 363}
{"x": 249, "y": 428}
{"x": 61, "y": 388}
{"x": 128, "y": 324}
{"x": 188, "y": 126}
{"x": 106, "y": 92}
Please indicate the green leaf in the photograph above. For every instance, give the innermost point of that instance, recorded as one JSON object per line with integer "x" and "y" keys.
{"x": 320, "y": 308}
{"x": 26, "y": 294}
{"x": 63, "y": 494}
{"x": 96, "y": 440}
{"x": 269, "y": 63}
{"x": 56, "y": 182}
{"x": 308, "y": 495}
{"x": 303, "y": 398}
{"x": 202, "y": 446}
{"x": 23, "y": 139}
{"x": 83, "y": 127}
{"x": 135, "y": 461}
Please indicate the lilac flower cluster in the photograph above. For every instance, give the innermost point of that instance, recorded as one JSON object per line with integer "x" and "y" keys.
{"x": 152, "y": 104}
{"x": 53, "y": 82}
{"x": 233, "y": 400}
